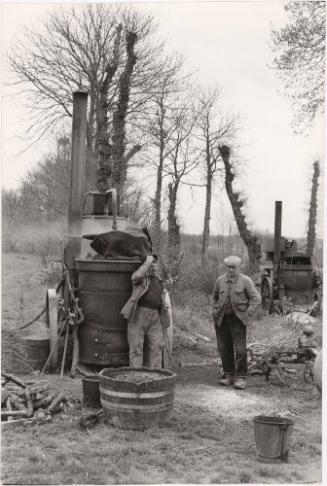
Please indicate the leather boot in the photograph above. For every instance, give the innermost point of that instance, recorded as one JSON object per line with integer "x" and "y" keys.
{"x": 240, "y": 384}
{"x": 228, "y": 380}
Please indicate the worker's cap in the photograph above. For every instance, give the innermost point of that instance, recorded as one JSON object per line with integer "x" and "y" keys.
{"x": 233, "y": 260}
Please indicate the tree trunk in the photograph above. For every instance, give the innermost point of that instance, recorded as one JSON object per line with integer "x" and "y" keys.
{"x": 119, "y": 162}
{"x": 250, "y": 240}
{"x": 102, "y": 139}
{"x": 206, "y": 225}
{"x": 174, "y": 238}
{"x": 157, "y": 197}
{"x": 311, "y": 235}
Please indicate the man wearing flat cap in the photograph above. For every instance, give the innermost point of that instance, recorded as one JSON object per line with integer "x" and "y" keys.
{"x": 234, "y": 301}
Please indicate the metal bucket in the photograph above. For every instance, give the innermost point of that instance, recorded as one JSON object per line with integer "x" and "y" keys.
{"x": 136, "y": 405}
{"x": 272, "y": 438}
{"x": 91, "y": 392}
{"x": 26, "y": 354}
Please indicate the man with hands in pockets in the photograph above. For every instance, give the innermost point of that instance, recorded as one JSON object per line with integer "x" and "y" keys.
{"x": 234, "y": 301}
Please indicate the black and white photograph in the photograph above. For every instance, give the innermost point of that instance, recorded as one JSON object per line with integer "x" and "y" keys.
{"x": 162, "y": 228}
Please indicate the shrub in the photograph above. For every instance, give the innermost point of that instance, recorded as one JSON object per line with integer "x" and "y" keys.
{"x": 194, "y": 276}
{"x": 44, "y": 239}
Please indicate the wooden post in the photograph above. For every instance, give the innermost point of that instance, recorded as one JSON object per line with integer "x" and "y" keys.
{"x": 277, "y": 244}
{"x": 278, "y": 232}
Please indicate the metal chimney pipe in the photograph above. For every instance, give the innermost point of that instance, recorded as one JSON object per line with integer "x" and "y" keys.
{"x": 78, "y": 157}
{"x": 72, "y": 246}
{"x": 278, "y": 232}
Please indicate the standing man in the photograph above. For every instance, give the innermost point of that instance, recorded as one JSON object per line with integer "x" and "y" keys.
{"x": 148, "y": 312}
{"x": 234, "y": 301}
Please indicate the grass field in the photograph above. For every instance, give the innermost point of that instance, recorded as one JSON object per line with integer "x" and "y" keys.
{"x": 209, "y": 437}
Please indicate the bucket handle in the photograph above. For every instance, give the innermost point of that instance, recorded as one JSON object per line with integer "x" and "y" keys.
{"x": 114, "y": 206}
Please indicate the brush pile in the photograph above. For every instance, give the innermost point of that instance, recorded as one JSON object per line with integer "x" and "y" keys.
{"x": 269, "y": 356}
{"x": 23, "y": 401}
{"x": 285, "y": 341}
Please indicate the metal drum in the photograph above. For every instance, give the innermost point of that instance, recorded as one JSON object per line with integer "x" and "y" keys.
{"x": 26, "y": 354}
{"x": 298, "y": 279}
{"x": 104, "y": 286}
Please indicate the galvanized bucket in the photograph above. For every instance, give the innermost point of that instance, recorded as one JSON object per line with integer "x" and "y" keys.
{"x": 26, "y": 354}
{"x": 272, "y": 438}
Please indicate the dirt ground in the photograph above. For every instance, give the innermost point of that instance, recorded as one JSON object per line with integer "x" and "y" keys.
{"x": 209, "y": 437}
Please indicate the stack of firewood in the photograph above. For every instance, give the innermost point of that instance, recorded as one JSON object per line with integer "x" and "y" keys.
{"x": 27, "y": 400}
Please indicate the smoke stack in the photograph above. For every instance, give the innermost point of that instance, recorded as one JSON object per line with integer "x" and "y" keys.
{"x": 78, "y": 157}
{"x": 72, "y": 249}
{"x": 278, "y": 231}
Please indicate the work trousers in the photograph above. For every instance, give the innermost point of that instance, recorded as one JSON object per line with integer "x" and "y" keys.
{"x": 231, "y": 344}
{"x": 145, "y": 339}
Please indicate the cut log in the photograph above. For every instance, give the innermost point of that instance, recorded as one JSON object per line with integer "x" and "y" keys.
{"x": 25, "y": 421}
{"x": 13, "y": 413}
{"x": 13, "y": 378}
{"x": 59, "y": 398}
{"x": 29, "y": 403}
{"x": 4, "y": 395}
{"x": 43, "y": 402}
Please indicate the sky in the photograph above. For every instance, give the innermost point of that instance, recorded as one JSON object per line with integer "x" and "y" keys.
{"x": 227, "y": 44}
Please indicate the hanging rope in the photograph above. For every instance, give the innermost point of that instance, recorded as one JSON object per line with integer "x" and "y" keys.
{"x": 43, "y": 311}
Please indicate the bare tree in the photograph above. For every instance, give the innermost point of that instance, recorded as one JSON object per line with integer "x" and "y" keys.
{"x": 138, "y": 206}
{"x": 251, "y": 241}
{"x": 213, "y": 129}
{"x": 311, "y": 235}
{"x": 11, "y": 206}
{"x": 301, "y": 57}
{"x": 182, "y": 161}
{"x": 108, "y": 50}
{"x": 45, "y": 189}
{"x": 120, "y": 160}
{"x": 159, "y": 129}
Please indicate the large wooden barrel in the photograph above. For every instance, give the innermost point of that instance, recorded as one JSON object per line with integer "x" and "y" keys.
{"x": 104, "y": 286}
{"x": 137, "y": 398}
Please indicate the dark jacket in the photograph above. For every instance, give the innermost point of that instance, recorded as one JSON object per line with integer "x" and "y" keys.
{"x": 244, "y": 298}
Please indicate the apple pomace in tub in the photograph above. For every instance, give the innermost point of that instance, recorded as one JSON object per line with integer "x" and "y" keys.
{"x": 136, "y": 398}
{"x": 137, "y": 376}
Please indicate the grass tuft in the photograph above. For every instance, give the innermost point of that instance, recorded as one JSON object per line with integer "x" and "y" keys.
{"x": 245, "y": 477}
